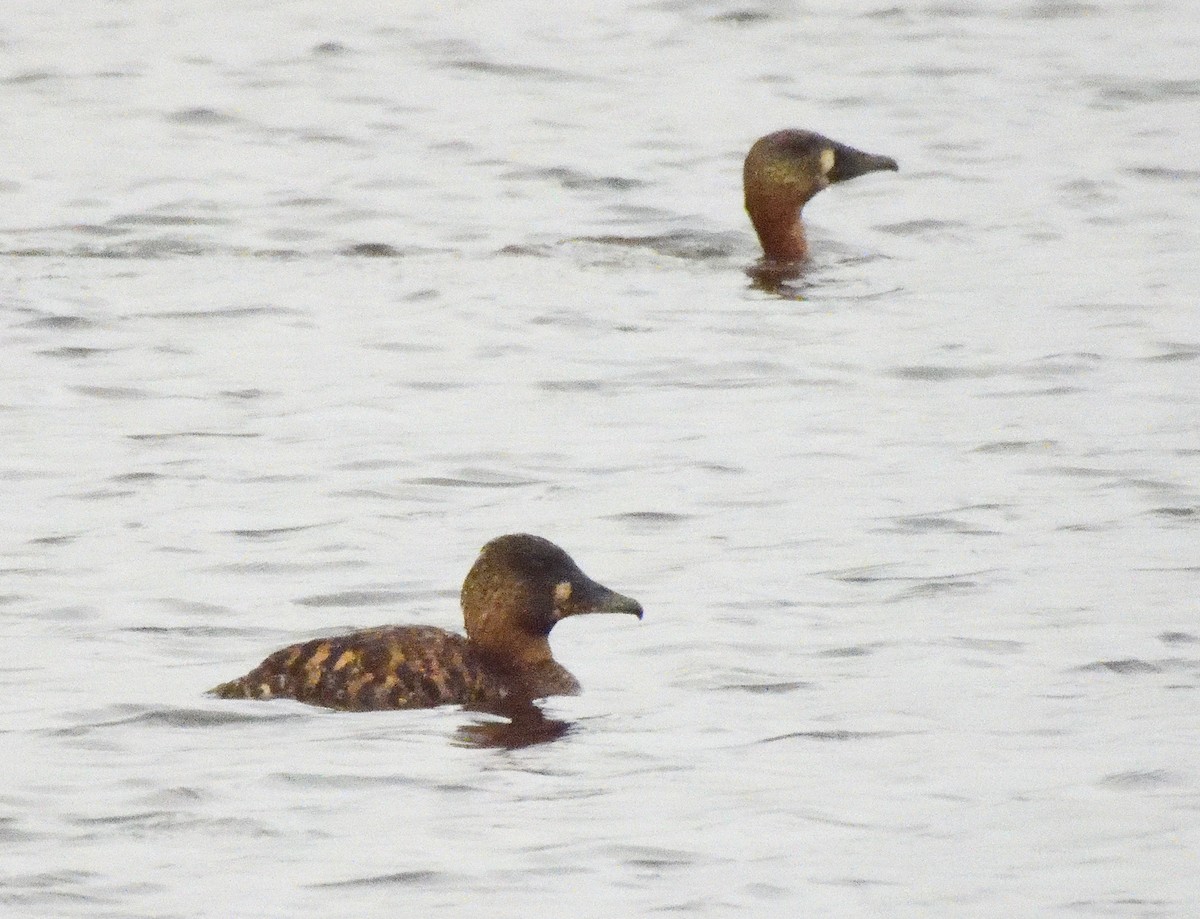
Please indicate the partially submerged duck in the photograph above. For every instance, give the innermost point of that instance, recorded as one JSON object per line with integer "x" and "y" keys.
{"x": 783, "y": 171}
{"x": 516, "y": 591}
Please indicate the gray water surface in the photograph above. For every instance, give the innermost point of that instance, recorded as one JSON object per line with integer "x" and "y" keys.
{"x": 301, "y": 303}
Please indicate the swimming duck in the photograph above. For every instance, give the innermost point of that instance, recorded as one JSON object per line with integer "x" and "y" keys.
{"x": 783, "y": 171}
{"x": 518, "y": 588}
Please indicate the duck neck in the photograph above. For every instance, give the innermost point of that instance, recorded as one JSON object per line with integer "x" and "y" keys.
{"x": 532, "y": 653}
{"x": 516, "y": 650}
{"x": 779, "y": 229}
{"x": 531, "y": 667}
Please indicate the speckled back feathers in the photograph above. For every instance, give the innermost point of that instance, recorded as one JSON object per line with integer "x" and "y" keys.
{"x": 386, "y": 667}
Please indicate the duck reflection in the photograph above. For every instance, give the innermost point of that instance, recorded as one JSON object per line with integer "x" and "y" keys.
{"x": 526, "y": 726}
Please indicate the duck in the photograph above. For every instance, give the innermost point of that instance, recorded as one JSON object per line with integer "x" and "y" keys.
{"x": 783, "y": 170}
{"x": 518, "y": 589}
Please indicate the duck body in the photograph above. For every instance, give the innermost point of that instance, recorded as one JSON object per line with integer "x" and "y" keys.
{"x": 518, "y": 588}
{"x": 783, "y": 171}
{"x": 396, "y": 666}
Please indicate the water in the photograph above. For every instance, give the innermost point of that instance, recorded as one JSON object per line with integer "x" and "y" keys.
{"x": 302, "y": 304}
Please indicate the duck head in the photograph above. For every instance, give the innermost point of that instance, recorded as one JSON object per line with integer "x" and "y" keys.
{"x": 520, "y": 587}
{"x": 783, "y": 171}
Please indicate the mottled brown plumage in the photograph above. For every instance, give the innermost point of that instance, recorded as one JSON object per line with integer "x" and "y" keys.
{"x": 783, "y": 171}
{"x": 516, "y": 591}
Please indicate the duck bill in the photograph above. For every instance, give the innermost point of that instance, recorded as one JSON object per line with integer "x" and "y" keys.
{"x": 848, "y": 163}
{"x": 585, "y": 597}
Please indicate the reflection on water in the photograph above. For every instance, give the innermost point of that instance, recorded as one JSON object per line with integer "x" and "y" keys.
{"x": 779, "y": 279}
{"x": 525, "y": 727}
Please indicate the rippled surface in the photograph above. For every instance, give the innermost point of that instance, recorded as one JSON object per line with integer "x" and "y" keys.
{"x": 301, "y": 306}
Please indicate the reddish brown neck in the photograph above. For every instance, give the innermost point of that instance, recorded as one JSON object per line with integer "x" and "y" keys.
{"x": 495, "y": 633}
{"x": 532, "y": 652}
{"x": 779, "y": 229}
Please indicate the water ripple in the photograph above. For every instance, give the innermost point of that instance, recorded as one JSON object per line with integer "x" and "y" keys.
{"x": 1141, "y": 779}
{"x": 839, "y": 735}
{"x": 1124, "y": 666}
{"x": 354, "y": 598}
{"x": 178, "y": 717}
{"x": 395, "y": 879}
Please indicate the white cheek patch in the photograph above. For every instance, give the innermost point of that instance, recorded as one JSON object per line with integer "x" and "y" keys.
{"x": 827, "y": 161}
{"x": 562, "y": 592}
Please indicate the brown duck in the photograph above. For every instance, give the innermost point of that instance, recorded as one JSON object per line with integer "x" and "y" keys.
{"x": 783, "y": 171}
{"x": 516, "y": 591}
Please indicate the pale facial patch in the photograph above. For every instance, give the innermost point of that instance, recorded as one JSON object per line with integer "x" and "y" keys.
{"x": 827, "y": 160}
{"x": 562, "y": 592}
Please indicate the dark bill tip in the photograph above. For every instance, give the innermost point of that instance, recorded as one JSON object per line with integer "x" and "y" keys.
{"x": 596, "y": 598}
{"x": 619, "y": 603}
{"x": 849, "y": 163}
